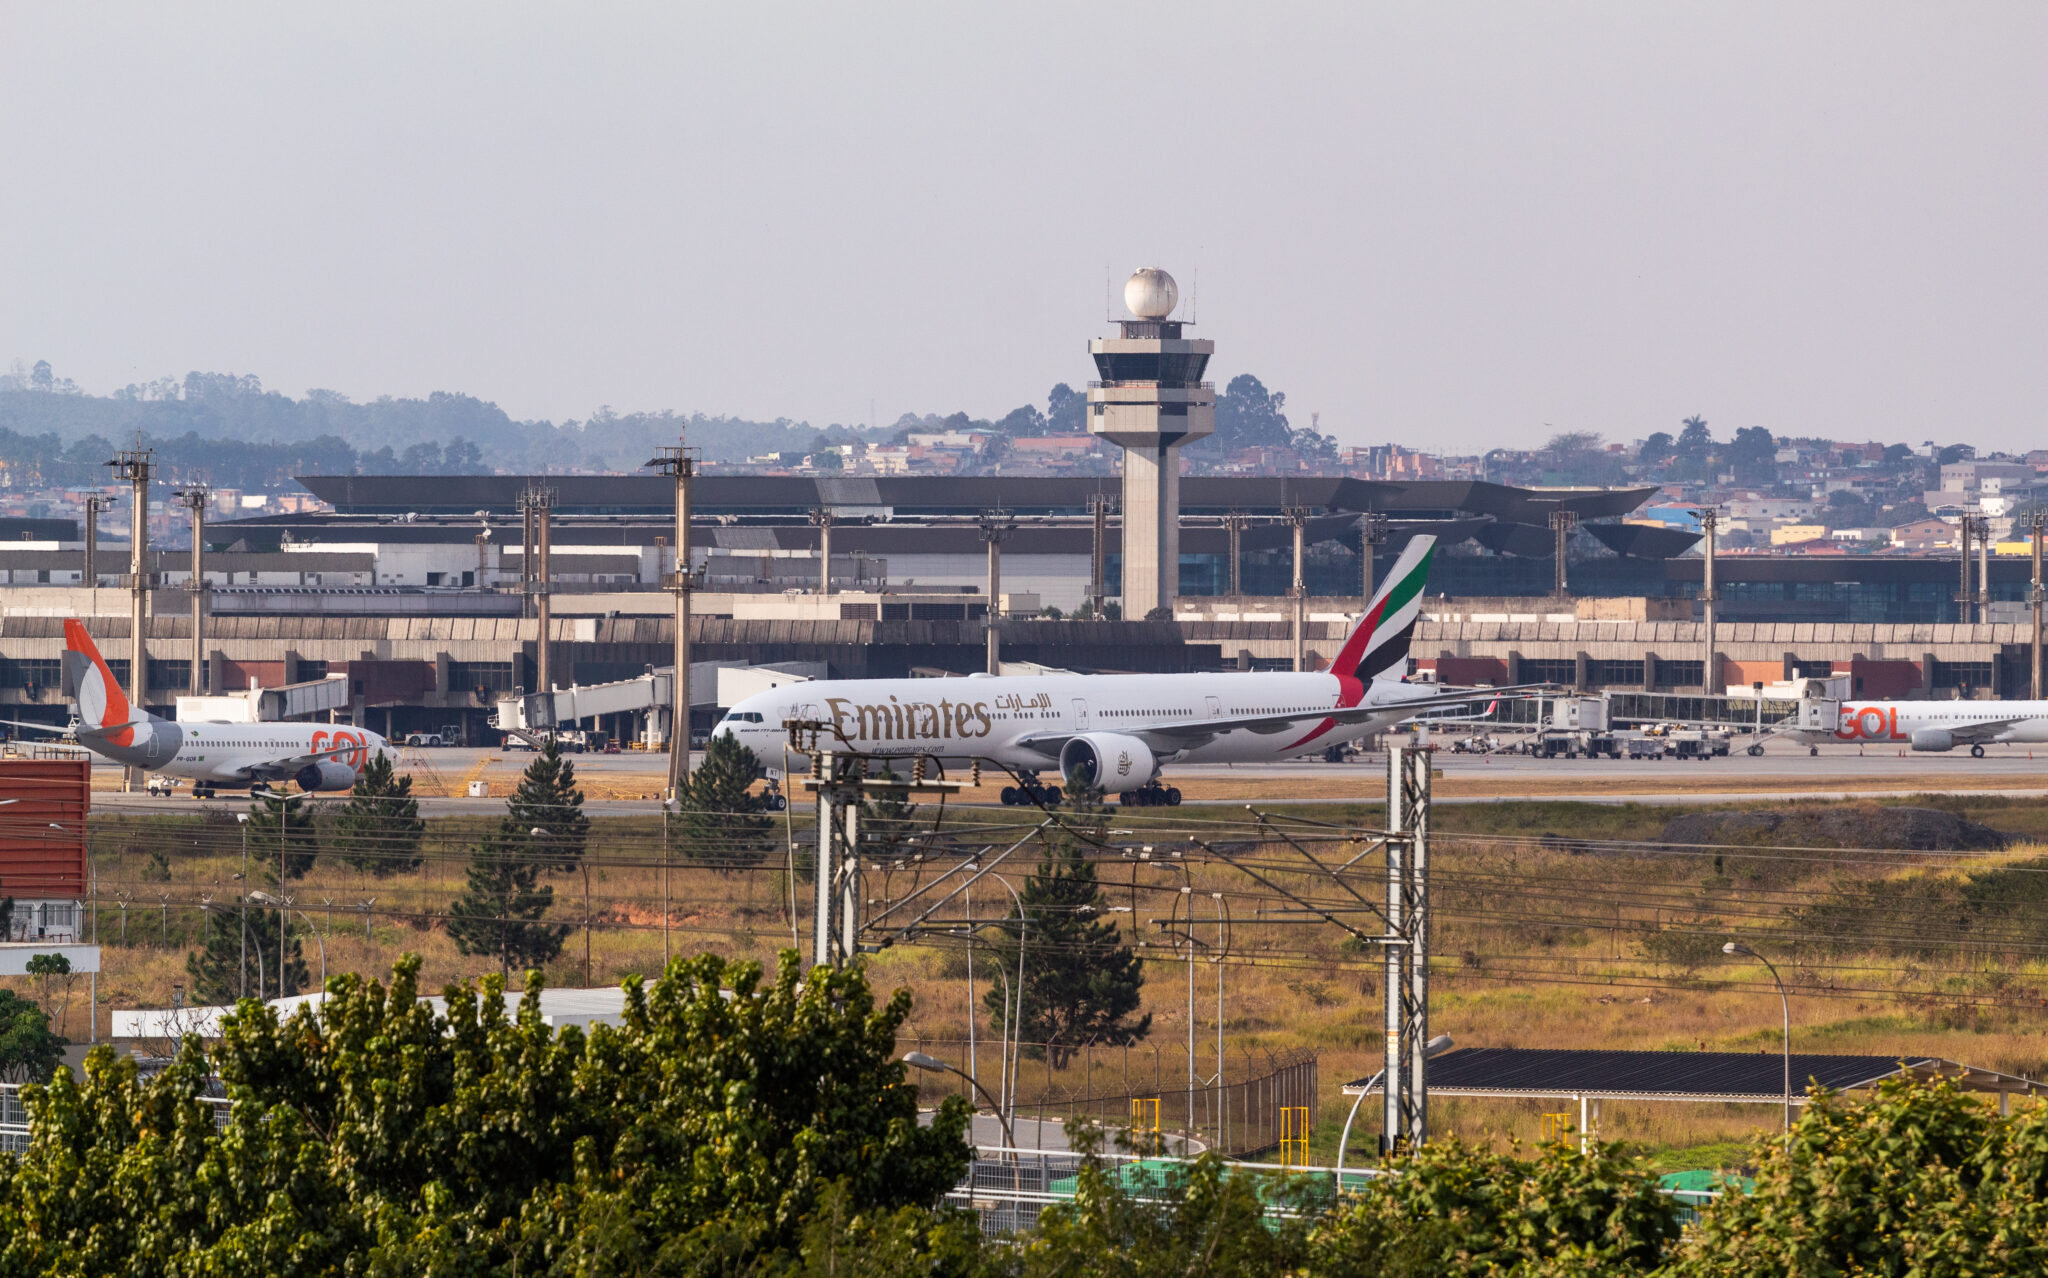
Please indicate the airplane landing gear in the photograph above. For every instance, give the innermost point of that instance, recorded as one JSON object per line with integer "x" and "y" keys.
{"x": 1813, "y": 752}
{"x": 1976, "y": 752}
{"x": 1031, "y": 793}
{"x": 1152, "y": 796}
{"x": 1756, "y": 752}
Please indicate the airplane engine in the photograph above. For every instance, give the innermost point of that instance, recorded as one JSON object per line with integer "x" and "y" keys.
{"x": 1933, "y": 739}
{"x": 331, "y": 774}
{"x": 1110, "y": 760}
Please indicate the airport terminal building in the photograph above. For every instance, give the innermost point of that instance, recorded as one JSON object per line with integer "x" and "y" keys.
{"x": 420, "y": 592}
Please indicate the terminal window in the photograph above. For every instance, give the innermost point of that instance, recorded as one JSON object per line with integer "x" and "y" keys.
{"x": 1622, "y": 673}
{"x": 1962, "y": 674}
{"x": 1551, "y": 670}
{"x": 41, "y": 672}
{"x": 492, "y": 676}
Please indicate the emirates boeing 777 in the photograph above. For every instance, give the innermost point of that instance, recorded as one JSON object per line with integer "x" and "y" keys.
{"x": 228, "y": 756}
{"x": 1118, "y": 731}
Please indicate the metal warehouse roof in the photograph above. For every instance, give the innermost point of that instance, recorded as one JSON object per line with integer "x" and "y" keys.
{"x": 1683, "y": 1076}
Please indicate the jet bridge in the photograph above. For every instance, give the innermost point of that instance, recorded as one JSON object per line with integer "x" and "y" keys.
{"x": 268, "y": 705}
{"x": 532, "y": 715}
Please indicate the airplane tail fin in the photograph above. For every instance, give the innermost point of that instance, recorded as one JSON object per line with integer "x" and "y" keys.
{"x": 1378, "y": 644}
{"x": 102, "y": 706}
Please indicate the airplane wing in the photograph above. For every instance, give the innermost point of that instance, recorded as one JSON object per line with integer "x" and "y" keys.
{"x": 1167, "y": 738}
{"x": 1985, "y": 731}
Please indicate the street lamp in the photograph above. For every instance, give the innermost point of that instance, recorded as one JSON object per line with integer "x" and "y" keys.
{"x": 1737, "y": 947}
{"x": 932, "y": 1064}
{"x": 242, "y": 820}
{"x": 538, "y": 833}
{"x": 285, "y": 905}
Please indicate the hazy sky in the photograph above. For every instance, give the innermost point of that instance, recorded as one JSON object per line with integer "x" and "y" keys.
{"x": 1451, "y": 226}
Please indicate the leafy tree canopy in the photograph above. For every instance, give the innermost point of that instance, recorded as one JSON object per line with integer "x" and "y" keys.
{"x": 29, "y": 1050}
{"x": 547, "y": 799}
{"x": 380, "y": 829}
{"x": 384, "y": 1138}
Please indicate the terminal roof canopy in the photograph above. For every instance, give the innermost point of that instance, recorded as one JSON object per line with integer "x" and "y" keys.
{"x": 1680, "y": 1076}
{"x": 955, "y": 495}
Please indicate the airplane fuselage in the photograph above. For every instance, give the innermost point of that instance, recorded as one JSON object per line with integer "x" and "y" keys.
{"x": 995, "y": 718}
{"x": 1895, "y": 722}
{"x": 230, "y": 754}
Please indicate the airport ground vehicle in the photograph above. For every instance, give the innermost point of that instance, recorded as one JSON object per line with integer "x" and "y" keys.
{"x": 447, "y": 735}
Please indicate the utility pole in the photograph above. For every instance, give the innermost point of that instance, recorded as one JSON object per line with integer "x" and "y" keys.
{"x": 1233, "y": 524}
{"x": 137, "y": 466}
{"x": 1372, "y": 532}
{"x": 2037, "y": 523}
{"x": 1404, "y": 1089}
{"x": 1561, "y": 524}
{"x": 839, "y": 780}
{"x": 539, "y": 502}
{"x": 1710, "y": 675}
{"x": 680, "y": 464}
{"x": 94, "y": 504}
{"x": 525, "y": 555}
{"x": 1964, "y": 595}
{"x": 1298, "y": 517}
{"x": 1983, "y": 569}
{"x": 995, "y": 525}
{"x": 823, "y": 520}
{"x": 1098, "y": 566}
{"x": 194, "y": 498}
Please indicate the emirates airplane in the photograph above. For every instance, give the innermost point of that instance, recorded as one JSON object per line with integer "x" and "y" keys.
{"x": 1118, "y": 731}
{"x": 231, "y": 756}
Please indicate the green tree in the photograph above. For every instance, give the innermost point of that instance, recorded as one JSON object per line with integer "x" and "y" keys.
{"x": 888, "y": 822}
{"x": 1158, "y": 1221}
{"x": 723, "y": 821}
{"x": 1754, "y": 455}
{"x": 1455, "y": 1209}
{"x": 1656, "y": 448}
{"x": 54, "y": 979}
{"x": 1695, "y": 440}
{"x": 723, "y": 1124}
{"x": 547, "y": 800}
{"x": 281, "y": 835}
{"x": 223, "y": 969}
{"x": 1918, "y": 1179}
{"x": 28, "y": 1049}
{"x": 1082, "y": 983}
{"x": 379, "y": 830}
{"x": 500, "y": 911}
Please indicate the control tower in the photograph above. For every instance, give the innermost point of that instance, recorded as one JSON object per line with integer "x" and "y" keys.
{"x": 1150, "y": 400}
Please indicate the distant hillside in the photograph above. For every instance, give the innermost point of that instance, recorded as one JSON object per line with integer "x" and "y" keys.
{"x": 227, "y": 430}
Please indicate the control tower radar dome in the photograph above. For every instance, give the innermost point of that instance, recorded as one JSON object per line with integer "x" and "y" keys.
{"x": 1150, "y": 293}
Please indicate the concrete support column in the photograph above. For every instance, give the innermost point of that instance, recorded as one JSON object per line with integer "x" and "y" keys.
{"x": 1514, "y": 666}
{"x": 1582, "y": 672}
{"x": 1650, "y": 671}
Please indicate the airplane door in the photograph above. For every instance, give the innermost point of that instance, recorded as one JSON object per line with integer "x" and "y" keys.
{"x": 1215, "y": 706}
{"x": 1080, "y": 714}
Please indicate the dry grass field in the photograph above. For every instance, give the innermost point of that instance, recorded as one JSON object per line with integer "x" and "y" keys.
{"x": 1557, "y": 925}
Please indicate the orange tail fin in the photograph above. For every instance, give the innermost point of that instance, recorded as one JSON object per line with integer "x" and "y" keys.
{"x": 102, "y": 705}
